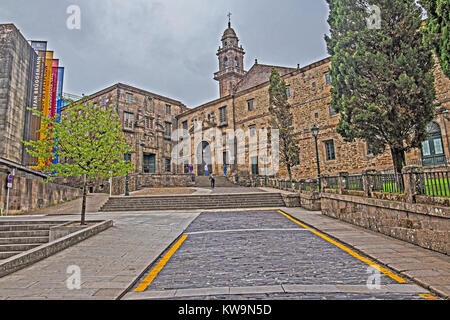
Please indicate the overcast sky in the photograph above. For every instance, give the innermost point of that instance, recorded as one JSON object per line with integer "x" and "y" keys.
{"x": 168, "y": 46}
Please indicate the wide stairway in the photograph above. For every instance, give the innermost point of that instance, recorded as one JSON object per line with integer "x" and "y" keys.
{"x": 19, "y": 236}
{"x": 189, "y": 202}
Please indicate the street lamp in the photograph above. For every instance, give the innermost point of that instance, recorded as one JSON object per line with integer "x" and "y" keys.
{"x": 127, "y": 190}
{"x": 315, "y": 133}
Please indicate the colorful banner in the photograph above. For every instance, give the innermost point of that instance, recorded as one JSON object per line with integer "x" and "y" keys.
{"x": 59, "y": 101}
{"x": 40, "y": 47}
{"x": 46, "y": 94}
{"x": 59, "y": 91}
{"x": 54, "y": 94}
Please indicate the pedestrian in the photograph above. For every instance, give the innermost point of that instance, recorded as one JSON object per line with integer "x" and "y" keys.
{"x": 206, "y": 170}
{"x": 212, "y": 179}
{"x": 225, "y": 170}
{"x": 191, "y": 169}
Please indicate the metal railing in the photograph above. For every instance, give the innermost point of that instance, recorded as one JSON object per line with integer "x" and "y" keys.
{"x": 388, "y": 183}
{"x": 332, "y": 182}
{"x": 354, "y": 183}
{"x": 433, "y": 184}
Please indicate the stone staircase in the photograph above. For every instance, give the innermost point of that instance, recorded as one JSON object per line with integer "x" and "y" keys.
{"x": 190, "y": 202}
{"x": 221, "y": 182}
{"x": 19, "y": 236}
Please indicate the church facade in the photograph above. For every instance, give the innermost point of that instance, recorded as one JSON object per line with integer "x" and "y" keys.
{"x": 243, "y": 105}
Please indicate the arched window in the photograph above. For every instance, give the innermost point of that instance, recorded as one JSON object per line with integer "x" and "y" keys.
{"x": 225, "y": 62}
{"x": 236, "y": 62}
{"x": 433, "y": 149}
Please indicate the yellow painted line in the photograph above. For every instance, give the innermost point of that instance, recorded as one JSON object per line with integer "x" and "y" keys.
{"x": 351, "y": 252}
{"x": 428, "y": 297}
{"x": 152, "y": 275}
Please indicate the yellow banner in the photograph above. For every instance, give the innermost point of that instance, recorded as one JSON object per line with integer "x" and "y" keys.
{"x": 47, "y": 88}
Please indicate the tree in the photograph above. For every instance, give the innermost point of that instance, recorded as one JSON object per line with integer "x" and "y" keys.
{"x": 438, "y": 27}
{"x": 89, "y": 142}
{"x": 383, "y": 81}
{"x": 282, "y": 120}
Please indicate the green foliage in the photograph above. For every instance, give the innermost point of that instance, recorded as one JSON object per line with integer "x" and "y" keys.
{"x": 383, "y": 82}
{"x": 438, "y": 29}
{"x": 282, "y": 120}
{"x": 88, "y": 140}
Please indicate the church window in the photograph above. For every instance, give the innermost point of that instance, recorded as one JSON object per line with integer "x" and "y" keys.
{"x": 332, "y": 111}
{"x": 168, "y": 109}
{"x": 225, "y": 62}
{"x": 250, "y": 104}
{"x": 236, "y": 62}
{"x": 314, "y": 84}
{"x": 223, "y": 115}
{"x": 328, "y": 78}
{"x": 288, "y": 92}
{"x": 329, "y": 148}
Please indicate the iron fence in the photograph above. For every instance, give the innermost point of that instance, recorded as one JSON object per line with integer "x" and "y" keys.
{"x": 388, "y": 183}
{"x": 433, "y": 184}
{"x": 354, "y": 183}
{"x": 332, "y": 182}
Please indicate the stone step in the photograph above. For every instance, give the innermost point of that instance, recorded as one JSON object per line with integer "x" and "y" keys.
{"x": 17, "y": 247}
{"x": 25, "y": 227}
{"x": 6, "y": 255}
{"x": 212, "y": 201}
{"x": 27, "y": 233}
{"x": 24, "y": 240}
{"x": 28, "y": 222}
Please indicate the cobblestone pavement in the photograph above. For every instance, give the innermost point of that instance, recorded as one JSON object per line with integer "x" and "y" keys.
{"x": 264, "y": 255}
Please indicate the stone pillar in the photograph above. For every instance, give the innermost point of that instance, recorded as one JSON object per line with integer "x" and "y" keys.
{"x": 342, "y": 181}
{"x": 411, "y": 175}
{"x": 368, "y": 181}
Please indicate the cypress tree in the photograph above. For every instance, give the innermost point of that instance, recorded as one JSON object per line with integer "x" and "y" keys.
{"x": 282, "y": 120}
{"x": 383, "y": 81}
{"x": 438, "y": 30}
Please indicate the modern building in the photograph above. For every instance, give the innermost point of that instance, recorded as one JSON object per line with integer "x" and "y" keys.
{"x": 30, "y": 77}
{"x": 17, "y": 62}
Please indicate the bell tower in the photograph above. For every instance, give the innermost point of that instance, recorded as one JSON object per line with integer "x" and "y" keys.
{"x": 231, "y": 61}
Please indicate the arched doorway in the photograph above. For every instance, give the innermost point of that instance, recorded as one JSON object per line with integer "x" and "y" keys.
{"x": 432, "y": 149}
{"x": 203, "y": 158}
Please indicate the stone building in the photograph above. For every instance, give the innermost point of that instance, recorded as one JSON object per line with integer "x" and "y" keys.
{"x": 148, "y": 120}
{"x": 16, "y": 69}
{"x": 244, "y": 105}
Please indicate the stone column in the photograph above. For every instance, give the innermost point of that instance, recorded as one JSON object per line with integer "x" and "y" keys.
{"x": 411, "y": 179}
{"x": 368, "y": 181}
{"x": 342, "y": 180}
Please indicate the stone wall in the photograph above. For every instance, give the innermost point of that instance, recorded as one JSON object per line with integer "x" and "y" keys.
{"x": 136, "y": 181}
{"x": 29, "y": 192}
{"x": 16, "y": 63}
{"x": 426, "y": 226}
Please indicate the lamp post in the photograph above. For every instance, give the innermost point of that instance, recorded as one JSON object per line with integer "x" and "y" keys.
{"x": 127, "y": 190}
{"x": 315, "y": 133}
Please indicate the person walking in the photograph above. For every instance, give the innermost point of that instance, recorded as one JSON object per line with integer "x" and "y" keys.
{"x": 206, "y": 170}
{"x": 191, "y": 169}
{"x": 212, "y": 178}
{"x": 225, "y": 167}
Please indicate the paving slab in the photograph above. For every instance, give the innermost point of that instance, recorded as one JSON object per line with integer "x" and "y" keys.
{"x": 103, "y": 272}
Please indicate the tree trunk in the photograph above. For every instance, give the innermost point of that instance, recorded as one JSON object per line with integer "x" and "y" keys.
{"x": 83, "y": 205}
{"x": 398, "y": 156}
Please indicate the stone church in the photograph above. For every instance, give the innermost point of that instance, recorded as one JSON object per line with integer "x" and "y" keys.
{"x": 148, "y": 120}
